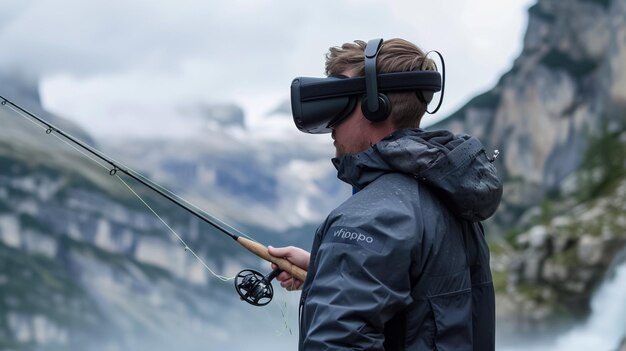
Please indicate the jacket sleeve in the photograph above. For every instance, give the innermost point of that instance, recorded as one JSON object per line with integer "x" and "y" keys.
{"x": 362, "y": 279}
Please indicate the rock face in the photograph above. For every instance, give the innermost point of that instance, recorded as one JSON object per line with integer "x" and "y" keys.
{"x": 85, "y": 266}
{"x": 558, "y": 118}
{"x": 566, "y": 84}
{"x": 552, "y": 269}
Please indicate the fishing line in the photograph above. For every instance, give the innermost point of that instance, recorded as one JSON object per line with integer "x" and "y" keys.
{"x": 187, "y": 248}
{"x": 180, "y": 239}
{"x": 284, "y": 311}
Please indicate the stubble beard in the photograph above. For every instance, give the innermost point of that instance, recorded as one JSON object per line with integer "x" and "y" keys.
{"x": 342, "y": 150}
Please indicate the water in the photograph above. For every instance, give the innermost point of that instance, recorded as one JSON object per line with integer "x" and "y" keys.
{"x": 606, "y": 326}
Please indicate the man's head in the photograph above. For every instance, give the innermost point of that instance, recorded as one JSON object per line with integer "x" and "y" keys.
{"x": 355, "y": 133}
{"x": 395, "y": 55}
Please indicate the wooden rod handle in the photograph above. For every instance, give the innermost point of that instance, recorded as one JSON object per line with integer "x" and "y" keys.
{"x": 282, "y": 263}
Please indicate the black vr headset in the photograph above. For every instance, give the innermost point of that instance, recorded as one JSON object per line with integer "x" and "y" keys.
{"x": 318, "y": 104}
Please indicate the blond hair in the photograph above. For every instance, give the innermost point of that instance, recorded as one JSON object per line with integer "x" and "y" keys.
{"x": 395, "y": 55}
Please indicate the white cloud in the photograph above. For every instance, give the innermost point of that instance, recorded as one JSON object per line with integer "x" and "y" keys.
{"x": 95, "y": 57}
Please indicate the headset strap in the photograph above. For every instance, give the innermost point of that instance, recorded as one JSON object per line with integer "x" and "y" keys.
{"x": 371, "y": 84}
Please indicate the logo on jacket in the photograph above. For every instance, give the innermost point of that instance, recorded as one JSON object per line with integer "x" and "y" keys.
{"x": 345, "y": 233}
{"x": 354, "y": 236}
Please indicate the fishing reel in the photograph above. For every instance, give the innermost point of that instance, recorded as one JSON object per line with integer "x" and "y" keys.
{"x": 254, "y": 288}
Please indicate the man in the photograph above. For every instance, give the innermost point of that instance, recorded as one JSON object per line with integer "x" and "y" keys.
{"x": 403, "y": 263}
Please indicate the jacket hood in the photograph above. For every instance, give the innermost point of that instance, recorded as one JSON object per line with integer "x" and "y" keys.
{"x": 454, "y": 166}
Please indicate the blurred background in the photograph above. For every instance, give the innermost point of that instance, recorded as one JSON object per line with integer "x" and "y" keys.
{"x": 195, "y": 95}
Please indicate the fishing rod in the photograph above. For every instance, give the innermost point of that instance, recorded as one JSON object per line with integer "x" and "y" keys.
{"x": 252, "y": 286}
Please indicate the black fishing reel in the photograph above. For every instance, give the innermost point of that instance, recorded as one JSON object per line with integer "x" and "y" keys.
{"x": 254, "y": 288}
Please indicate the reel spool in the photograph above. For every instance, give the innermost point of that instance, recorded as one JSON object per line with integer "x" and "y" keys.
{"x": 254, "y": 288}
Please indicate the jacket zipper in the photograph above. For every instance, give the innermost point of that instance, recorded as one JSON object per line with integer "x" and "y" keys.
{"x": 300, "y": 309}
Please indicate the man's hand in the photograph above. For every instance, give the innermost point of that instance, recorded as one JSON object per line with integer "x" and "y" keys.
{"x": 295, "y": 255}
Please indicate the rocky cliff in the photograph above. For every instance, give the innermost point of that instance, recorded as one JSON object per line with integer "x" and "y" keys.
{"x": 558, "y": 119}
{"x": 567, "y": 83}
{"x": 85, "y": 266}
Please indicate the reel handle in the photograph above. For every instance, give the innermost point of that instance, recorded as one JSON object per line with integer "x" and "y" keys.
{"x": 261, "y": 251}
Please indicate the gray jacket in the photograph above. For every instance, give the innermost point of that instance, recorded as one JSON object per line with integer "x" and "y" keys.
{"x": 403, "y": 263}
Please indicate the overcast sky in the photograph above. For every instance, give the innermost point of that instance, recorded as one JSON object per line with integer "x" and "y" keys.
{"x": 125, "y": 66}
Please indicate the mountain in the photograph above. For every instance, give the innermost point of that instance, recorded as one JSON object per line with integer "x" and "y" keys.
{"x": 567, "y": 83}
{"x": 558, "y": 118}
{"x": 18, "y": 88}
{"x": 274, "y": 184}
{"x": 277, "y": 182}
{"x": 84, "y": 265}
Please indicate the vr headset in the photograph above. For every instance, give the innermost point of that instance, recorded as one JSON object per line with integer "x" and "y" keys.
{"x": 318, "y": 104}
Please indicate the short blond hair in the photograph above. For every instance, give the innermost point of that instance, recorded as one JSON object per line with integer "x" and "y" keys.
{"x": 395, "y": 55}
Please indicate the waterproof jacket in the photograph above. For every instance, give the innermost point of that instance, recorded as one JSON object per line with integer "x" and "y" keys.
{"x": 403, "y": 263}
